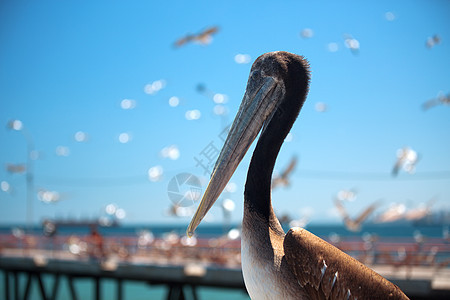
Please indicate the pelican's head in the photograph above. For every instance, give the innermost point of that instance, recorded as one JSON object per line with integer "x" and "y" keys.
{"x": 273, "y": 77}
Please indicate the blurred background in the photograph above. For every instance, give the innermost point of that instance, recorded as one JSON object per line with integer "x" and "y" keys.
{"x": 105, "y": 103}
{"x": 113, "y": 113}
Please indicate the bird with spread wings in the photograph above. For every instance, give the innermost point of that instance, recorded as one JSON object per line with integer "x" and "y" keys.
{"x": 283, "y": 178}
{"x": 355, "y": 223}
{"x": 204, "y": 37}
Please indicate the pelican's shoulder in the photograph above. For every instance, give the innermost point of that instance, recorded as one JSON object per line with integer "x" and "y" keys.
{"x": 299, "y": 249}
{"x": 326, "y": 271}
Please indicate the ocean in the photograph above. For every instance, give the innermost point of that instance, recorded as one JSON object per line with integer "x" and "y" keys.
{"x": 388, "y": 230}
{"x": 138, "y": 290}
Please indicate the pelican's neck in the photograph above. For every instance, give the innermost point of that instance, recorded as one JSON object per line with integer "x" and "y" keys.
{"x": 293, "y": 72}
{"x": 257, "y": 195}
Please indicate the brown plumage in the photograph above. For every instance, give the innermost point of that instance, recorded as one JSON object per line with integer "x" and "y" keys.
{"x": 328, "y": 273}
{"x": 275, "y": 265}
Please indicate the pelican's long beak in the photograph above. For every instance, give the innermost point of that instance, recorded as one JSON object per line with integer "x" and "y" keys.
{"x": 259, "y": 103}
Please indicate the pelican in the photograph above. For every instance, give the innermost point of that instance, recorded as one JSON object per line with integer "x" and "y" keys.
{"x": 275, "y": 265}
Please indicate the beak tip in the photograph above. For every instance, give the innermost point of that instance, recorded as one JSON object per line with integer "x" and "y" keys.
{"x": 190, "y": 231}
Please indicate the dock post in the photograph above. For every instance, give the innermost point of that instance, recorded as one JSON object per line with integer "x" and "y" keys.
{"x": 30, "y": 277}
{"x": 194, "y": 292}
{"x": 6, "y": 285}
{"x": 175, "y": 292}
{"x": 28, "y": 286}
{"x": 119, "y": 289}
{"x": 72, "y": 288}
{"x": 97, "y": 288}
{"x": 16, "y": 286}
{"x": 55, "y": 287}
{"x": 41, "y": 285}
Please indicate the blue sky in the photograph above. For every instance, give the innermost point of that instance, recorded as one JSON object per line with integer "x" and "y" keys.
{"x": 67, "y": 66}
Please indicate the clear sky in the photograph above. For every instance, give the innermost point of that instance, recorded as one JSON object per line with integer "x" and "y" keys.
{"x": 67, "y": 66}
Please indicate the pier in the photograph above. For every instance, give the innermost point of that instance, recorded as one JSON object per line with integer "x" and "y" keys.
{"x": 181, "y": 281}
{"x": 182, "y": 269}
